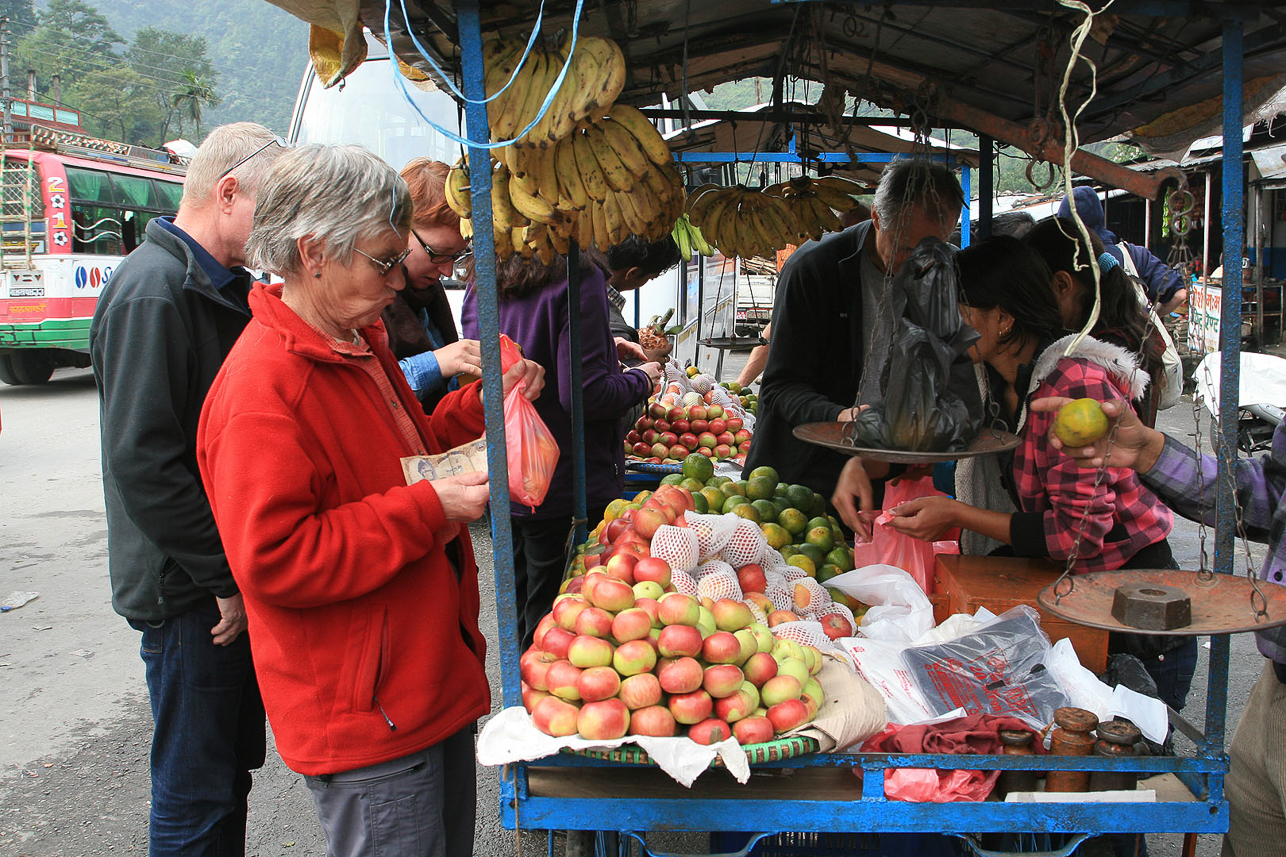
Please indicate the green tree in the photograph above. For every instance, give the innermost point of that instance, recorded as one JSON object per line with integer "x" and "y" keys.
{"x": 192, "y": 97}
{"x": 158, "y": 53}
{"x": 123, "y": 104}
{"x": 71, "y": 38}
{"x": 21, "y": 15}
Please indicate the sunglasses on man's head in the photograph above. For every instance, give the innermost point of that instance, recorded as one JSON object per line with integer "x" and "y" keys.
{"x": 275, "y": 141}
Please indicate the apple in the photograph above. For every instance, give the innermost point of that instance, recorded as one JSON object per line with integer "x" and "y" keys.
{"x": 649, "y": 604}
{"x": 741, "y": 436}
{"x": 753, "y": 730}
{"x": 730, "y": 615}
{"x": 679, "y": 452}
{"x": 593, "y": 622}
{"x": 710, "y": 731}
{"x": 534, "y": 668}
{"x": 657, "y": 411}
{"x": 761, "y": 600}
{"x": 660, "y": 450}
{"x": 679, "y": 641}
{"x": 640, "y": 691}
{"x": 587, "y": 651}
{"x": 813, "y": 691}
{"x": 698, "y": 412}
{"x": 760, "y": 668}
{"x": 555, "y": 717}
{"x": 621, "y": 566}
{"x": 836, "y": 625}
{"x": 752, "y": 578}
{"x": 614, "y": 531}
{"x": 632, "y": 437}
{"x": 603, "y": 721}
{"x": 644, "y": 423}
{"x": 688, "y": 440}
{"x": 662, "y": 426}
{"x": 647, "y": 590}
{"x": 698, "y": 426}
{"x": 706, "y": 451}
{"x": 563, "y": 680}
{"x": 612, "y": 595}
{"x": 655, "y": 721}
{"x": 546, "y": 622}
{"x": 648, "y": 521}
{"x": 733, "y": 424}
{"x": 777, "y": 617}
{"x": 631, "y": 624}
{"x": 650, "y": 436}
{"x": 721, "y": 648}
{"x": 787, "y": 715}
{"x": 779, "y": 688}
{"x": 793, "y": 667}
{"x": 531, "y": 696}
{"x": 690, "y": 708}
{"x": 717, "y": 427}
{"x": 784, "y": 649}
{"x": 705, "y": 624}
{"x": 598, "y": 683}
{"x": 668, "y": 438}
{"x": 653, "y": 569}
{"x": 681, "y": 676}
{"x": 749, "y": 645}
{"x": 722, "y": 680}
{"x": 679, "y": 609}
{"x": 680, "y": 426}
{"x": 713, "y": 411}
{"x": 743, "y": 447}
{"x": 724, "y": 438}
{"x": 707, "y": 440}
{"x": 634, "y": 657}
{"x": 810, "y": 705}
{"x": 676, "y": 413}
{"x": 557, "y": 641}
{"x": 738, "y": 704}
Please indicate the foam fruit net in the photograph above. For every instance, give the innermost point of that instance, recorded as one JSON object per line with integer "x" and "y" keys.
{"x": 683, "y": 582}
{"x": 678, "y": 546}
{"x": 806, "y": 633}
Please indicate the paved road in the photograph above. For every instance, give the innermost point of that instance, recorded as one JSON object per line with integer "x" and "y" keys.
{"x": 74, "y": 722}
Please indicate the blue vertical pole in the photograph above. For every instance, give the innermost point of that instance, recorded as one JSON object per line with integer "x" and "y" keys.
{"x": 579, "y": 505}
{"x": 986, "y": 183}
{"x": 966, "y": 184}
{"x": 1234, "y": 233}
{"x": 489, "y": 336}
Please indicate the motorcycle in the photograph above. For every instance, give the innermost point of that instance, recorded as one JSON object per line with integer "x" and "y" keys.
{"x": 1262, "y": 390}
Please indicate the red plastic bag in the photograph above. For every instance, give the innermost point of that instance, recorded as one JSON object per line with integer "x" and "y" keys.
{"x": 890, "y": 547}
{"x": 531, "y": 449}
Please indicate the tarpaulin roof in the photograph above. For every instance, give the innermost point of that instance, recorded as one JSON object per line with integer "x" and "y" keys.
{"x": 1158, "y": 62}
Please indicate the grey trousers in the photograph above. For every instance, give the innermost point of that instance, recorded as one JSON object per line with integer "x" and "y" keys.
{"x": 421, "y": 805}
{"x": 1256, "y": 782}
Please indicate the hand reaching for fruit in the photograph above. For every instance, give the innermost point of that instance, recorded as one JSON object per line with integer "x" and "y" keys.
{"x": 1135, "y": 445}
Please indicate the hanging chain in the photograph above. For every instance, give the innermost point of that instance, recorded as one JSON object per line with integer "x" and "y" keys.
{"x": 1205, "y": 574}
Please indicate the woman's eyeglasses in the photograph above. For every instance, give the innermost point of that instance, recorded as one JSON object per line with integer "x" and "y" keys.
{"x": 443, "y": 258}
{"x": 385, "y": 265}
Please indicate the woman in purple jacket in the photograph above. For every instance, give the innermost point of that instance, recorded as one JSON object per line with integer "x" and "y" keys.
{"x": 534, "y": 314}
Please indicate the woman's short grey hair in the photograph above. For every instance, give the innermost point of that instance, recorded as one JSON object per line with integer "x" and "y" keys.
{"x": 337, "y": 195}
{"x": 917, "y": 182}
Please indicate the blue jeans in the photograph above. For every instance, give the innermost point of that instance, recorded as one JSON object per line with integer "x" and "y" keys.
{"x": 208, "y": 734}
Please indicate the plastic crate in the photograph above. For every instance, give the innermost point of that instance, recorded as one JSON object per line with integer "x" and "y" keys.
{"x": 840, "y": 845}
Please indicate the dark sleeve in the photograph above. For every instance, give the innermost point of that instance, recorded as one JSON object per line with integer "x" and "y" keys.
{"x": 1027, "y": 534}
{"x": 1161, "y": 280}
{"x": 796, "y": 361}
{"x": 144, "y": 391}
{"x": 620, "y": 327}
{"x": 609, "y": 393}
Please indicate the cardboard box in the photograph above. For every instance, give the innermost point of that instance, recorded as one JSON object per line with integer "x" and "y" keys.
{"x": 965, "y": 583}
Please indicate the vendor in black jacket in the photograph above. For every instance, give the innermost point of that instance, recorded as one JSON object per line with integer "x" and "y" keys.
{"x": 824, "y": 318}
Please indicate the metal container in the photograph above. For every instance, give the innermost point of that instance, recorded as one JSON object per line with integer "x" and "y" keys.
{"x": 1017, "y": 742}
{"x": 1071, "y": 738}
{"x": 1116, "y": 740}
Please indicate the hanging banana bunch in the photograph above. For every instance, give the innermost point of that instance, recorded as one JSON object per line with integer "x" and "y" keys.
{"x": 742, "y": 222}
{"x": 811, "y": 201}
{"x": 689, "y": 238}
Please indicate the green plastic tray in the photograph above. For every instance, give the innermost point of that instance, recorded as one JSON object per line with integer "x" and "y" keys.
{"x": 758, "y": 754}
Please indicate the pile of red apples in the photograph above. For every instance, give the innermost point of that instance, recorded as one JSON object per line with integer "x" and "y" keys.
{"x": 672, "y": 433}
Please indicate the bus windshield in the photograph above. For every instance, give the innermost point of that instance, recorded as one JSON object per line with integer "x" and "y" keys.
{"x": 367, "y": 110}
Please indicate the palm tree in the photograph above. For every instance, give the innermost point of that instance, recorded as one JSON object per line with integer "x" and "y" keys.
{"x": 197, "y": 93}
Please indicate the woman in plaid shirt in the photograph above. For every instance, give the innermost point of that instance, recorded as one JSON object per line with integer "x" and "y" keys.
{"x": 1053, "y": 509}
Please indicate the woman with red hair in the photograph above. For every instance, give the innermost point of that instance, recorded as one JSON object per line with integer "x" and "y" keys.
{"x": 422, "y": 333}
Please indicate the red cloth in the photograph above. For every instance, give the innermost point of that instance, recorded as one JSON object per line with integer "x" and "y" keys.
{"x": 356, "y": 615}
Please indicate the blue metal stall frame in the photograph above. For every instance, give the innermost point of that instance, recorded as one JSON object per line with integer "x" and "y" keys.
{"x": 610, "y": 804}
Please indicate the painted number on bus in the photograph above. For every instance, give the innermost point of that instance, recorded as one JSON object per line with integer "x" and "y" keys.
{"x": 92, "y": 276}
{"x": 56, "y": 189}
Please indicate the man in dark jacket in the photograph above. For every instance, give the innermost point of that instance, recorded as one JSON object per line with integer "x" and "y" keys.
{"x": 826, "y": 313}
{"x": 162, "y": 329}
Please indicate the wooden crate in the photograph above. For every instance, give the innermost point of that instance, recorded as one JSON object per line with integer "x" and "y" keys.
{"x": 965, "y": 583}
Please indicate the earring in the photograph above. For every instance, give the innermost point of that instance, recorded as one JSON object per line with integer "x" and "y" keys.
{"x": 317, "y": 275}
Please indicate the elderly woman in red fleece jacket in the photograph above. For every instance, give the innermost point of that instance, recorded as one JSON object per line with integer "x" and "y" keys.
{"x": 361, "y": 590}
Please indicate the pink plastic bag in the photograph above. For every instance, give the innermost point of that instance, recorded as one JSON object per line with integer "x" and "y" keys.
{"x": 531, "y": 449}
{"x": 890, "y": 547}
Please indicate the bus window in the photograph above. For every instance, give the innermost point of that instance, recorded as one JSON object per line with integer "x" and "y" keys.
{"x": 110, "y": 212}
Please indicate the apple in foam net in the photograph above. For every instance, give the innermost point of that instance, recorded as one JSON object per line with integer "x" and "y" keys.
{"x": 679, "y": 641}
{"x": 690, "y": 708}
{"x": 598, "y": 683}
{"x": 634, "y": 657}
{"x": 586, "y": 651}
{"x": 593, "y": 622}
{"x": 778, "y": 617}
{"x": 787, "y": 715}
{"x": 555, "y": 717}
{"x": 753, "y": 730}
{"x": 722, "y": 680}
{"x": 683, "y": 675}
{"x": 631, "y": 624}
{"x": 721, "y": 648}
{"x": 655, "y": 721}
{"x": 730, "y": 615}
{"x": 752, "y": 578}
{"x": 679, "y": 609}
{"x": 640, "y": 691}
{"x": 604, "y": 720}
{"x": 653, "y": 569}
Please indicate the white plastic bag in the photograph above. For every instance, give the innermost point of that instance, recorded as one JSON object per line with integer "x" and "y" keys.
{"x": 1084, "y": 690}
{"x": 899, "y": 612}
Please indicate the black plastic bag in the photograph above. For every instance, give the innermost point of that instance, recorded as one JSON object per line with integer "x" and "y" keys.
{"x": 928, "y": 399}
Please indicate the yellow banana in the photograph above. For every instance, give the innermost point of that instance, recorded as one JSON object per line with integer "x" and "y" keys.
{"x": 540, "y": 135}
{"x": 498, "y": 71}
{"x": 546, "y": 171}
{"x": 617, "y": 175}
{"x": 627, "y": 149}
{"x": 611, "y": 63}
{"x": 701, "y": 200}
{"x": 520, "y": 170}
{"x": 616, "y": 230}
{"x": 585, "y": 228}
{"x": 602, "y": 238}
{"x": 502, "y": 208}
{"x": 635, "y": 222}
{"x": 457, "y": 192}
{"x": 779, "y": 222}
{"x": 587, "y": 165}
{"x": 530, "y": 206}
{"x": 824, "y": 216}
{"x": 643, "y": 131}
{"x": 559, "y": 238}
{"x": 536, "y": 87}
{"x": 513, "y": 101}
{"x": 571, "y": 189}
{"x": 466, "y": 227}
{"x": 589, "y": 70}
